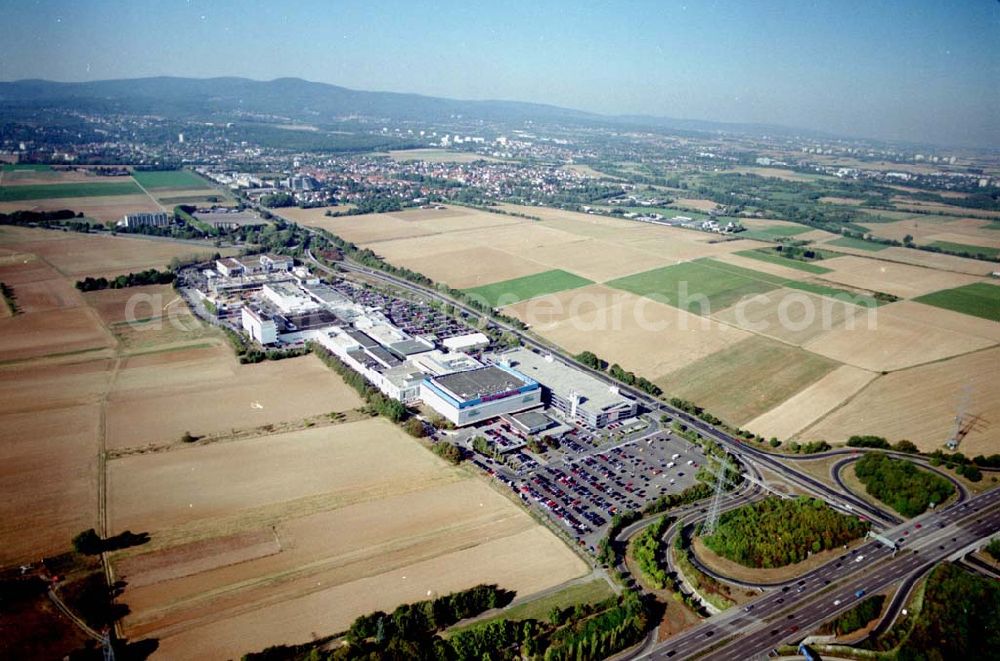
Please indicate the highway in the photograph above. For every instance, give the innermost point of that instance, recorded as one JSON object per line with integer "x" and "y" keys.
{"x": 785, "y": 615}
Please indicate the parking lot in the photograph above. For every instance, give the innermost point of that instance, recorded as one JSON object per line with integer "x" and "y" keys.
{"x": 584, "y": 482}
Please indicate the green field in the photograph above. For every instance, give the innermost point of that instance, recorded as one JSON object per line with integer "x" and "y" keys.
{"x": 966, "y": 247}
{"x": 860, "y": 244}
{"x": 995, "y": 225}
{"x": 721, "y": 284}
{"x": 53, "y": 191}
{"x": 979, "y": 299}
{"x": 180, "y": 179}
{"x": 509, "y": 292}
{"x": 774, "y": 258}
{"x": 746, "y": 379}
{"x": 772, "y": 233}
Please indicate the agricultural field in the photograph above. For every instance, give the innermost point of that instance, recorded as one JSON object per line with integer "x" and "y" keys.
{"x": 641, "y": 335}
{"x": 774, "y": 258}
{"x": 747, "y": 378}
{"x": 147, "y": 406}
{"x": 77, "y": 255}
{"x": 897, "y": 337}
{"x": 989, "y": 251}
{"x": 703, "y": 285}
{"x": 67, "y": 190}
{"x": 359, "y": 518}
{"x": 508, "y": 292}
{"x": 901, "y": 280}
{"x": 102, "y": 208}
{"x": 979, "y": 299}
{"x": 859, "y": 244}
{"x": 793, "y": 316}
{"x": 809, "y": 404}
{"x": 169, "y": 179}
{"x": 920, "y": 404}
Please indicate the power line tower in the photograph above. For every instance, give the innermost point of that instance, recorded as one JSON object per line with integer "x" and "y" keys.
{"x": 720, "y": 488}
{"x": 965, "y": 422}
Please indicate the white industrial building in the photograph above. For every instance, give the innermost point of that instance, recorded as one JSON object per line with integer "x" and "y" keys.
{"x": 481, "y": 394}
{"x": 288, "y": 298}
{"x": 577, "y": 395}
{"x": 469, "y": 342}
{"x": 145, "y": 219}
{"x": 260, "y": 326}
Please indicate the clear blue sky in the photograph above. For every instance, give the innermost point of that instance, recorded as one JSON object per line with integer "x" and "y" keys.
{"x": 910, "y": 69}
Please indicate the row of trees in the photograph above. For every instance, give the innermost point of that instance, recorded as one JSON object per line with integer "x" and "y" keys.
{"x": 586, "y": 632}
{"x": 900, "y": 484}
{"x": 140, "y": 279}
{"x": 591, "y": 360}
{"x": 774, "y": 532}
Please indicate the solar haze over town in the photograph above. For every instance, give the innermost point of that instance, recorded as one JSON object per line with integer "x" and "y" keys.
{"x": 552, "y": 331}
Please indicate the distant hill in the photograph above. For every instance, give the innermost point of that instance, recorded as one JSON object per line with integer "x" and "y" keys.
{"x": 301, "y": 100}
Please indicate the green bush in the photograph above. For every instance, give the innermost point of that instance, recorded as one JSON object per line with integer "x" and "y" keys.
{"x": 900, "y": 484}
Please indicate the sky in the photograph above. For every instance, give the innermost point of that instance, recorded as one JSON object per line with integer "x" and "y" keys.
{"x": 915, "y": 70}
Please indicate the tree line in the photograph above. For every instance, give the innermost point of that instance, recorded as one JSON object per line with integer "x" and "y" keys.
{"x": 619, "y": 373}
{"x": 900, "y": 484}
{"x": 774, "y": 532}
{"x": 586, "y": 632}
{"x": 140, "y": 279}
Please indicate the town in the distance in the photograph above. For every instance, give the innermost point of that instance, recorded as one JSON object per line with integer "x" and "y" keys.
{"x": 290, "y": 371}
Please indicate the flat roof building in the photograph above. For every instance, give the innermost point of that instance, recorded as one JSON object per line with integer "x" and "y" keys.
{"x": 574, "y": 393}
{"x": 481, "y": 394}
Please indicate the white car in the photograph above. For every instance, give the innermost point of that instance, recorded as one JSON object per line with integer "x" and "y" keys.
{"x": 859, "y": 558}
{"x": 837, "y": 602}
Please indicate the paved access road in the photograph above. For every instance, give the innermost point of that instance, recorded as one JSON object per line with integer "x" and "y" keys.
{"x": 785, "y": 615}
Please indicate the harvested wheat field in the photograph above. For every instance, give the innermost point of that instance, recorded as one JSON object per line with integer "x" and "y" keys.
{"x": 746, "y": 379}
{"x": 77, "y": 255}
{"x": 471, "y": 267}
{"x": 899, "y": 339}
{"x": 919, "y": 405}
{"x": 594, "y": 259}
{"x": 696, "y": 204}
{"x": 791, "y": 315}
{"x": 314, "y": 217}
{"x": 900, "y": 280}
{"x": 925, "y": 228}
{"x": 370, "y": 228}
{"x": 57, "y": 331}
{"x": 42, "y": 295}
{"x": 809, "y": 404}
{"x": 48, "y": 475}
{"x": 103, "y": 208}
{"x": 908, "y": 204}
{"x": 934, "y": 260}
{"x": 145, "y": 408}
{"x": 307, "y": 530}
{"x": 641, "y": 335}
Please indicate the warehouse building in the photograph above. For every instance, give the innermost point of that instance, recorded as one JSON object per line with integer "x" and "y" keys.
{"x": 476, "y": 395}
{"x": 578, "y": 396}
